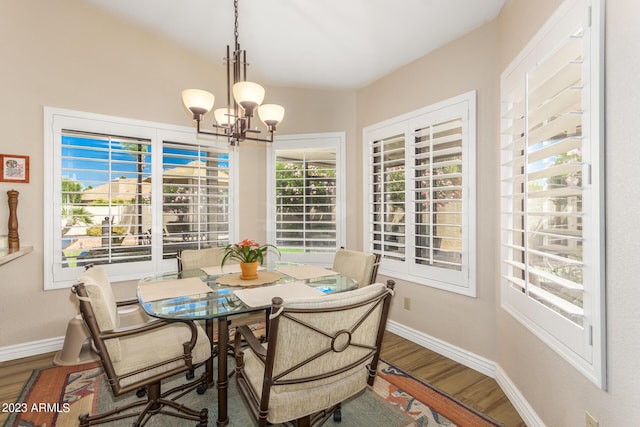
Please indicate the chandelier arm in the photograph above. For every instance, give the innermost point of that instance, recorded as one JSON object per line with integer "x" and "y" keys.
{"x": 249, "y": 138}
{"x": 236, "y": 137}
{"x": 206, "y": 132}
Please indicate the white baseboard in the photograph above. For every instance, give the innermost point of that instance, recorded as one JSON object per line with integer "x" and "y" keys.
{"x": 460, "y": 355}
{"x": 475, "y": 362}
{"x": 518, "y": 401}
{"x": 33, "y": 348}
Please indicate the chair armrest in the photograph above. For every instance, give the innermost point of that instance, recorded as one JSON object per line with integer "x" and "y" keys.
{"x": 154, "y": 324}
{"x": 254, "y": 343}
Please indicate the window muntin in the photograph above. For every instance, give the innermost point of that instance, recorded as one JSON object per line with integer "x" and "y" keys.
{"x": 420, "y": 194}
{"x": 553, "y": 273}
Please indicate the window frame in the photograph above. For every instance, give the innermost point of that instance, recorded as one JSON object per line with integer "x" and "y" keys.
{"x": 463, "y": 283}
{"x": 584, "y": 347}
{"x": 56, "y": 119}
{"x": 337, "y": 140}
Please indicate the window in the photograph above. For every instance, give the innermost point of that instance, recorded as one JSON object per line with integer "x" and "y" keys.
{"x": 195, "y": 205}
{"x": 420, "y": 195}
{"x": 307, "y": 200}
{"x": 552, "y": 189}
{"x": 104, "y": 205}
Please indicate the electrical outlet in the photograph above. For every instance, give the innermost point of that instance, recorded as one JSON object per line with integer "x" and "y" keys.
{"x": 407, "y": 303}
{"x": 590, "y": 421}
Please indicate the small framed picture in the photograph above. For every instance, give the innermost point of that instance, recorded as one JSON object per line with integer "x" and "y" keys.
{"x": 14, "y": 168}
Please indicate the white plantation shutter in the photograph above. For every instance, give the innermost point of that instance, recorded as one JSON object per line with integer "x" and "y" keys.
{"x": 387, "y": 208}
{"x": 127, "y": 194}
{"x": 420, "y": 201}
{"x": 195, "y": 197}
{"x": 438, "y": 188}
{"x": 106, "y": 199}
{"x": 551, "y": 147}
{"x": 307, "y": 196}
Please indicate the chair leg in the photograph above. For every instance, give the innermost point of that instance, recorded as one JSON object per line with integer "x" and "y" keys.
{"x": 337, "y": 414}
{"x": 304, "y": 421}
{"x": 155, "y": 403}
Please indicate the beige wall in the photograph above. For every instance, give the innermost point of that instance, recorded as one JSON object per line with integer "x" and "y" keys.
{"x": 308, "y": 111}
{"x": 67, "y": 54}
{"x": 469, "y": 63}
{"x": 559, "y": 394}
{"x": 556, "y": 391}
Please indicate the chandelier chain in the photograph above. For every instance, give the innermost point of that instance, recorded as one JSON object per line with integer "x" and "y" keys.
{"x": 236, "y": 33}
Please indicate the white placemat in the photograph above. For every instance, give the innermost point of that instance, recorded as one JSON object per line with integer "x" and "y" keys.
{"x": 304, "y": 272}
{"x": 261, "y": 297}
{"x": 227, "y": 269}
{"x": 165, "y": 289}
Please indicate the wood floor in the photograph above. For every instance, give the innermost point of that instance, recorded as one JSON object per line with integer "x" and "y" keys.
{"x": 465, "y": 384}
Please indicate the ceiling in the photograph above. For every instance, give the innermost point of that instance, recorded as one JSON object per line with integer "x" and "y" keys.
{"x": 312, "y": 43}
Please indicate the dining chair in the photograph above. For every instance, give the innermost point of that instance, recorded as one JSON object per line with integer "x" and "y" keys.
{"x": 190, "y": 259}
{"x": 140, "y": 357}
{"x": 320, "y": 351}
{"x": 359, "y": 266}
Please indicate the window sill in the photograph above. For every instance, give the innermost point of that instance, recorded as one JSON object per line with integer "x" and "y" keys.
{"x": 7, "y": 255}
{"x": 469, "y": 290}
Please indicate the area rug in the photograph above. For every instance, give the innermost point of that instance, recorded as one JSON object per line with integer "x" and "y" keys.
{"x": 56, "y": 396}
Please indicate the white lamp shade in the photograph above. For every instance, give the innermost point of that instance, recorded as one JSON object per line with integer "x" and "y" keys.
{"x": 271, "y": 114}
{"x": 224, "y": 116}
{"x": 198, "y": 101}
{"x": 248, "y": 94}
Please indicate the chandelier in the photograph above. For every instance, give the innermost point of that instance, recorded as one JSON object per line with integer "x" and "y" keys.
{"x": 234, "y": 121}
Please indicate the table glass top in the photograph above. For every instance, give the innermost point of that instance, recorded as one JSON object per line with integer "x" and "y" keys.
{"x": 221, "y": 300}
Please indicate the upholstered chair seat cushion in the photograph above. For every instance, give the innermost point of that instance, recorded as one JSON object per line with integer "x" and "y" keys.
{"x": 146, "y": 349}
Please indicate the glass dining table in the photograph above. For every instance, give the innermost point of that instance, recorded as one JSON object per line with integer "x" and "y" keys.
{"x": 205, "y": 298}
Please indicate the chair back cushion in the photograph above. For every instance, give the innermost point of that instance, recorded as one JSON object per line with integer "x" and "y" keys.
{"x": 191, "y": 259}
{"x": 103, "y": 304}
{"x": 322, "y": 348}
{"x": 354, "y": 264}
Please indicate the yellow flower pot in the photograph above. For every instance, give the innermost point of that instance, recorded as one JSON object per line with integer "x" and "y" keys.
{"x": 249, "y": 270}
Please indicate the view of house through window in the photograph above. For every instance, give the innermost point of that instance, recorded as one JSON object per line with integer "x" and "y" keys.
{"x": 106, "y": 199}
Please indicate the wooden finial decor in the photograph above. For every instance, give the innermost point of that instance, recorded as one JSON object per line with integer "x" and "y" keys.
{"x": 14, "y": 238}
